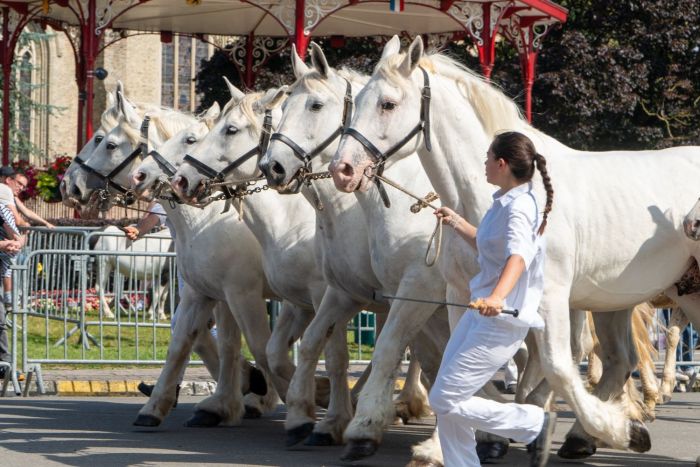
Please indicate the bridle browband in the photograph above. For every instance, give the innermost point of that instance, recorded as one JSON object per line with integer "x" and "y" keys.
{"x": 141, "y": 149}
{"x": 306, "y": 157}
{"x": 219, "y": 176}
{"x": 422, "y": 126}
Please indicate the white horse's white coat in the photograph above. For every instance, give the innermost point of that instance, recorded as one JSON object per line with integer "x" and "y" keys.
{"x": 136, "y": 267}
{"x": 364, "y": 247}
{"x": 615, "y": 237}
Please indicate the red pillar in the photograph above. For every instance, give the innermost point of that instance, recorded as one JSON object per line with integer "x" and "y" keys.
{"x": 528, "y": 59}
{"x": 7, "y": 49}
{"x": 487, "y": 51}
{"x": 91, "y": 48}
{"x": 301, "y": 40}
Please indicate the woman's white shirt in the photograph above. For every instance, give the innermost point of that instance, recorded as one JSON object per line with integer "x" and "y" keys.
{"x": 510, "y": 228}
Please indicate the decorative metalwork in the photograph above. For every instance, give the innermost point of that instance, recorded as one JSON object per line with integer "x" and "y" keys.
{"x": 471, "y": 16}
{"x": 283, "y": 11}
{"x": 104, "y": 18}
{"x": 539, "y": 30}
{"x": 439, "y": 41}
{"x": 317, "y": 10}
{"x": 263, "y": 48}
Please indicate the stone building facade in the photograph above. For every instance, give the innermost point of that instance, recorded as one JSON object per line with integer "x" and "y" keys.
{"x": 151, "y": 71}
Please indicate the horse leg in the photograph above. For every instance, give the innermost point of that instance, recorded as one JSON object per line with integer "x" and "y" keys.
{"x": 250, "y": 312}
{"x": 619, "y": 358}
{"x": 604, "y": 420}
{"x": 192, "y": 319}
{"x": 336, "y": 309}
{"x": 330, "y": 429}
{"x": 290, "y": 325}
{"x": 412, "y": 401}
{"x": 374, "y": 408}
{"x": 103, "y": 271}
{"x": 677, "y": 323}
{"x": 225, "y": 406}
{"x": 642, "y": 317}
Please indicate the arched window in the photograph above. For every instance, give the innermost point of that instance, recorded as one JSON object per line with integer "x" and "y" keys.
{"x": 182, "y": 59}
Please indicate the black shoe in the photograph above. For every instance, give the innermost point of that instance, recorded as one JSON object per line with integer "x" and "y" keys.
{"x": 539, "y": 448}
{"x": 146, "y": 389}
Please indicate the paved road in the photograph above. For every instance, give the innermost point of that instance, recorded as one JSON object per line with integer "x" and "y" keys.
{"x": 94, "y": 431}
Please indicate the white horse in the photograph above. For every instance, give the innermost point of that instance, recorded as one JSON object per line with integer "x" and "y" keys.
{"x": 584, "y": 269}
{"x": 384, "y": 246}
{"x": 142, "y": 268}
{"x": 234, "y": 279}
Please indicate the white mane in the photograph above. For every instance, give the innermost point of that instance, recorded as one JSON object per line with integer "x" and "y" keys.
{"x": 313, "y": 81}
{"x": 495, "y": 110}
{"x": 166, "y": 121}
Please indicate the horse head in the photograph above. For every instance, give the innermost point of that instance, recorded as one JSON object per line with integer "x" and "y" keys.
{"x": 231, "y": 149}
{"x": 387, "y": 113}
{"x": 156, "y": 168}
{"x": 317, "y": 109}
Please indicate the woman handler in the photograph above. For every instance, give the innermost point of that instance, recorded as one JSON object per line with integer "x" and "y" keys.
{"x": 511, "y": 251}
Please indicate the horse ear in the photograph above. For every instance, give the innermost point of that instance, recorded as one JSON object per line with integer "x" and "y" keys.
{"x": 110, "y": 100}
{"x": 298, "y": 65}
{"x": 236, "y": 94}
{"x": 128, "y": 111}
{"x": 413, "y": 56}
{"x": 318, "y": 60}
{"x": 273, "y": 97}
{"x": 391, "y": 48}
{"x": 211, "y": 114}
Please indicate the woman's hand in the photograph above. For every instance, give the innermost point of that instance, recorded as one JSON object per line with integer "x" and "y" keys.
{"x": 489, "y": 306}
{"x": 131, "y": 232}
{"x": 447, "y": 215}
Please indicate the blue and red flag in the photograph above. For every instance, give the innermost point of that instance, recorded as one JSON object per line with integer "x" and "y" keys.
{"x": 396, "y": 5}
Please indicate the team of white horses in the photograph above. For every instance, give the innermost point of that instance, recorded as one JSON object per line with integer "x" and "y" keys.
{"x": 616, "y": 238}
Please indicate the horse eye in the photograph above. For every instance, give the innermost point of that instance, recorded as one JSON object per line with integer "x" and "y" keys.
{"x": 231, "y": 130}
{"x": 111, "y": 146}
{"x": 388, "y": 105}
{"x": 191, "y": 140}
{"x": 98, "y": 139}
{"x": 316, "y": 106}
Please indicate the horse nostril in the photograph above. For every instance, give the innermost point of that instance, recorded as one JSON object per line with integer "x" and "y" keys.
{"x": 140, "y": 176}
{"x": 277, "y": 168}
{"x": 346, "y": 169}
{"x": 76, "y": 192}
{"x": 181, "y": 183}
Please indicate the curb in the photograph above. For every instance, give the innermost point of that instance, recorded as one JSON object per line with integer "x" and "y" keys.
{"x": 74, "y": 388}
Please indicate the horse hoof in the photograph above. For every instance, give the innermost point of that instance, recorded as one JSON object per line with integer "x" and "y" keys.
{"x": 576, "y": 448}
{"x": 319, "y": 439}
{"x": 256, "y": 382}
{"x": 491, "y": 450}
{"x": 639, "y": 437}
{"x": 298, "y": 434}
{"x": 357, "y": 449}
{"x": 666, "y": 398}
{"x": 146, "y": 420}
{"x": 252, "y": 412}
{"x": 202, "y": 418}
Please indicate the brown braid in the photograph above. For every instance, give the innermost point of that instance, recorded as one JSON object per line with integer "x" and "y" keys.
{"x": 541, "y": 164}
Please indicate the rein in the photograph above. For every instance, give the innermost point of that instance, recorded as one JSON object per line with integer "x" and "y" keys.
{"x": 422, "y": 126}
{"x": 127, "y": 195}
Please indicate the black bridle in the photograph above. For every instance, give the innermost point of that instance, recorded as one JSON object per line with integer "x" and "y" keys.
{"x": 219, "y": 176}
{"x": 422, "y": 126}
{"x": 141, "y": 149}
{"x": 306, "y": 157}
